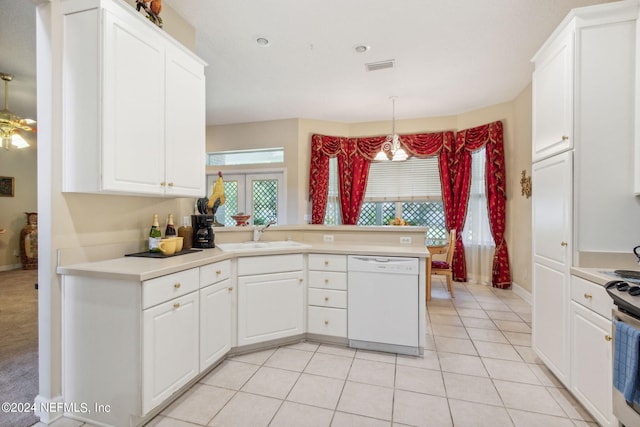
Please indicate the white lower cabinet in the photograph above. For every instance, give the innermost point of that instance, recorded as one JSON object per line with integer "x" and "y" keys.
{"x": 128, "y": 344}
{"x": 170, "y": 348}
{"x": 215, "y": 313}
{"x": 270, "y": 304}
{"x": 327, "y": 298}
{"x": 591, "y": 349}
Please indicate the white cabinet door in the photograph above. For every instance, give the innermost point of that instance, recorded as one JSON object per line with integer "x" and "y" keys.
{"x": 591, "y": 365}
{"x": 550, "y": 334}
{"x": 185, "y": 125}
{"x": 133, "y": 103}
{"x": 215, "y": 323}
{"x": 270, "y": 306}
{"x": 552, "y": 212}
{"x": 170, "y": 348}
{"x": 551, "y": 234}
{"x": 553, "y": 97}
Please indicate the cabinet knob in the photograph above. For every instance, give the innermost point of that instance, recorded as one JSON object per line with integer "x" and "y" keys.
{"x": 177, "y": 285}
{"x": 230, "y": 289}
{"x": 565, "y": 137}
{"x": 326, "y": 280}
{"x": 176, "y": 305}
{"x": 326, "y": 262}
{"x": 607, "y": 338}
{"x": 564, "y": 244}
{"x": 588, "y": 296}
{"x": 170, "y": 184}
{"x": 301, "y": 280}
{"x": 163, "y": 183}
{"x": 326, "y": 299}
{"x": 218, "y": 272}
{"x": 326, "y": 322}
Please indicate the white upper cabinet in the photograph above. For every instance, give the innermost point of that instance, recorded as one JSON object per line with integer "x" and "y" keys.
{"x": 553, "y": 97}
{"x": 133, "y": 107}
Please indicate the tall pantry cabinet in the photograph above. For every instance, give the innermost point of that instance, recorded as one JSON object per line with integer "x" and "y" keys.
{"x": 584, "y": 87}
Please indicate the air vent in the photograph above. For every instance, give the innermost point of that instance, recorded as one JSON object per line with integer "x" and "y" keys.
{"x": 375, "y": 66}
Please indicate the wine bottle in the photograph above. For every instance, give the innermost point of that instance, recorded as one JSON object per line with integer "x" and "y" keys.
{"x": 170, "y": 231}
{"x": 186, "y": 231}
{"x": 154, "y": 235}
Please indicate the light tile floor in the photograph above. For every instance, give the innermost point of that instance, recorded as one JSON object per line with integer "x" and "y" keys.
{"x": 478, "y": 370}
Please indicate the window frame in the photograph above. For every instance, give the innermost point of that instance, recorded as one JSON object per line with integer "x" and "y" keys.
{"x": 279, "y": 174}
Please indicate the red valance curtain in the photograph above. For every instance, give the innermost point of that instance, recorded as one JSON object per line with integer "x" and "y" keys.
{"x": 355, "y": 154}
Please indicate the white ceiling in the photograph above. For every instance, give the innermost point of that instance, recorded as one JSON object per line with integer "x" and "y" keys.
{"x": 450, "y": 56}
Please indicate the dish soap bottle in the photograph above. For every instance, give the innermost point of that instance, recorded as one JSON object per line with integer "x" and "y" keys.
{"x": 154, "y": 235}
{"x": 170, "y": 231}
{"x": 186, "y": 232}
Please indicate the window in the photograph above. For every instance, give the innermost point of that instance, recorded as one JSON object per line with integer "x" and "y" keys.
{"x": 246, "y": 157}
{"x": 410, "y": 190}
{"x": 332, "y": 211}
{"x": 478, "y": 242}
{"x": 262, "y": 195}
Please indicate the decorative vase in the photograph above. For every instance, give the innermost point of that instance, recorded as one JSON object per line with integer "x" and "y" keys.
{"x": 29, "y": 242}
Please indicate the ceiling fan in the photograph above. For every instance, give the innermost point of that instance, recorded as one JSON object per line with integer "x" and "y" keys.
{"x": 10, "y": 124}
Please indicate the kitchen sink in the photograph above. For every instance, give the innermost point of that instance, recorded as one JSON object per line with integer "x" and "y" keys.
{"x": 261, "y": 246}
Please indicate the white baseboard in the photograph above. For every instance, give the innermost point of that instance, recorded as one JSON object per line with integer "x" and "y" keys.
{"x": 522, "y": 293}
{"x": 47, "y": 409}
{"x": 10, "y": 267}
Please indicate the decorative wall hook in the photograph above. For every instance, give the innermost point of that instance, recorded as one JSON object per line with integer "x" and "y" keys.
{"x": 525, "y": 182}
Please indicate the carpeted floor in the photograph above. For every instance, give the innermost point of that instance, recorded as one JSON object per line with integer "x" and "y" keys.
{"x": 18, "y": 343}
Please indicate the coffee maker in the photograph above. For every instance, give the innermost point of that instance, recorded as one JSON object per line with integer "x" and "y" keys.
{"x": 203, "y": 231}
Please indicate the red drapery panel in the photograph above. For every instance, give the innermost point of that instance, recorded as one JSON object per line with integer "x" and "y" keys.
{"x": 322, "y": 149}
{"x": 455, "y": 174}
{"x": 353, "y": 170}
{"x": 459, "y": 167}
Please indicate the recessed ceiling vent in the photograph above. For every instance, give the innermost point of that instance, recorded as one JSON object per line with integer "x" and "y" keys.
{"x": 375, "y": 66}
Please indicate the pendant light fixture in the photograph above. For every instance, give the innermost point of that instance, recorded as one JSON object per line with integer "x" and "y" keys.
{"x": 10, "y": 123}
{"x": 391, "y": 144}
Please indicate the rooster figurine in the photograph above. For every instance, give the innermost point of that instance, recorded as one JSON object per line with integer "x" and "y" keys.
{"x": 152, "y": 8}
{"x": 217, "y": 197}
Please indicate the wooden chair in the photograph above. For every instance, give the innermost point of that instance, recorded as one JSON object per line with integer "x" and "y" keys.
{"x": 443, "y": 268}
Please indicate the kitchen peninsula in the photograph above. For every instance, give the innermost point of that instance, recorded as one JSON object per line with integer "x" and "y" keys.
{"x": 146, "y": 329}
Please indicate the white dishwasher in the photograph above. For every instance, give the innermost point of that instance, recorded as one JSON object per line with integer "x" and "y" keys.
{"x": 383, "y": 304}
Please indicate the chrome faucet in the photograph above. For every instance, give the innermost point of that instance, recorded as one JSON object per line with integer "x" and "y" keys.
{"x": 257, "y": 232}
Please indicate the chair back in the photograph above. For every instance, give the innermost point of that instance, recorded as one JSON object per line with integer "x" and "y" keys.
{"x": 452, "y": 247}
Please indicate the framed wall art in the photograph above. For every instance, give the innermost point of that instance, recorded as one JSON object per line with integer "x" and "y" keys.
{"x": 7, "y": 186}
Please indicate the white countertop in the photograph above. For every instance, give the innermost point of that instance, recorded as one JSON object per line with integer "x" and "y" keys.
{"x": 595, "y": 275}
{"x": 139, "y": 269}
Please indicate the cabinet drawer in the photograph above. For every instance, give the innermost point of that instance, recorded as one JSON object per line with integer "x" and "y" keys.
{"x": 591, "y": 295}
{"x": 164, "y": 288}
{"x": 327, "y": 262}
{"x": 328, "y": 280}
{"x": 328, "y": 321}
{"x": 269, "y": 264}
{"x": 327, "y": 298}
{"x": 213, "y": 273}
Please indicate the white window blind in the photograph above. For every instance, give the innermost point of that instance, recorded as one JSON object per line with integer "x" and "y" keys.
{"x": 414, "y": 179}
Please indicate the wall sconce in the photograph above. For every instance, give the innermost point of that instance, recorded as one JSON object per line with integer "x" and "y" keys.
{"x": 525, "y": 183}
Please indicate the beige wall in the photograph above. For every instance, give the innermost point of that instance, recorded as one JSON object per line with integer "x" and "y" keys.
{"x": 519, "y": 206}
{"x": 21, "y": 165}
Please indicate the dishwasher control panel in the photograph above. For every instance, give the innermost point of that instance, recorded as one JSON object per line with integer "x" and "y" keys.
{"x": 396, "y": 265}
